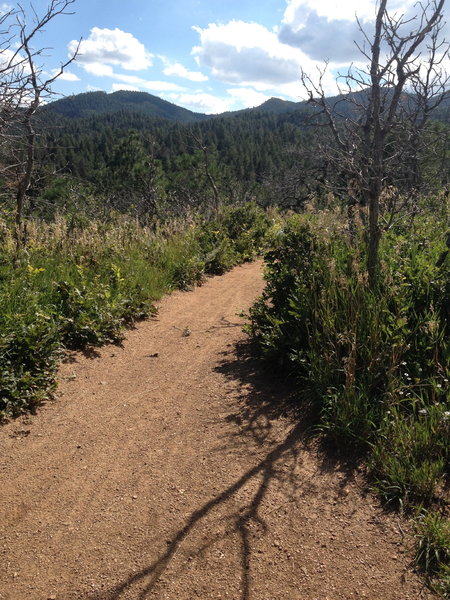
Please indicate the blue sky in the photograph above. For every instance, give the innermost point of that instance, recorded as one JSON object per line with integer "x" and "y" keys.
{"x": 206, "y": 55}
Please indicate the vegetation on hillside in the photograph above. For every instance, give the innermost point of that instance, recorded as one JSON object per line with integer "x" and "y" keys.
{"x": 274, "y": 156}
{"x": 374, "y": 364}
{"x": 81, "y": 281}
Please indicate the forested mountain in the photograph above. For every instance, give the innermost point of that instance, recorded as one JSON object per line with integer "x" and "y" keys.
{"x": 92, "y": 136}
{"x": 132, "y": 145}
{"x": 100, "y": 103}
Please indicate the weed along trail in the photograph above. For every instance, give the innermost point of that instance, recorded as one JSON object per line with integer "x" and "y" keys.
{"x": 170, "y": 468}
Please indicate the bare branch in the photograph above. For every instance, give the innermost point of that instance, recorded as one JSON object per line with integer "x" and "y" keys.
{"x": 22, "y": 88}
{"x": 379, "y": 128}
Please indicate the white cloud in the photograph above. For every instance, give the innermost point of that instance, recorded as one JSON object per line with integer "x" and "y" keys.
{"x": 248, "y": 97}
{"x": 330, "y": 9}
{"x": 65, "y": 75}
{"x": 5, "y": 8}
{"x": 107, "y": 47}
{"x": 132, "y": 81}
{"x": 327, "y": 30}
{"x": 179, "y": 71}
{"x": 250, "y": 56}
{"x": 202, "y": 102}
{"x": 10, "y": 59}
{"x": 238, "y": 98}
{"x": 247, "y": 53}
{"x": 99, "y": 69}
{"x": 145, "y": 84}
{"x": 334, "y": 10}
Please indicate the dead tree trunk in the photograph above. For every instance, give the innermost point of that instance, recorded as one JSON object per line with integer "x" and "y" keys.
{"x": 403, "y": 83}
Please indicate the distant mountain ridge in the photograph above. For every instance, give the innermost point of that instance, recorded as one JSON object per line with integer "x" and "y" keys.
{"x": 91, "y": 104}
{"x": 100, "y": 103}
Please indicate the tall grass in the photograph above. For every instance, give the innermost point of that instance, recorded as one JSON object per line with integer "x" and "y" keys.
{"x": 433, "y": 551}
{"x": 376, "y": 363}
{"x": 79, "y": 283}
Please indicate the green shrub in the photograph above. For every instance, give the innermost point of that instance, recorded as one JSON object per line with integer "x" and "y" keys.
{"x": 28, "y": 357}
{"x": 280, "y": 319}
{"x": 188, "y": 273}
{"x": 236, "y": 235}
{"x": 360, "y": 353}
{"x": 246, "y": 226}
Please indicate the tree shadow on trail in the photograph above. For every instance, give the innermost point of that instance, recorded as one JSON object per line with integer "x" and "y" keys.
{"x": 273, "y": 396}
{"x": 266, "y": 395}
{"x": 263, "y": 400}
{"x": 242, "y": 520}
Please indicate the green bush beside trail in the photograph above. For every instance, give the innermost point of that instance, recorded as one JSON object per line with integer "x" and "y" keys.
{"x": 375, "y": 363}
{"x": 77, "y": 285}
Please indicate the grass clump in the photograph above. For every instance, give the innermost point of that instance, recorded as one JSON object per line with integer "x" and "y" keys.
{"x": 410, "y": 454}
{"x": 433, "y": 551}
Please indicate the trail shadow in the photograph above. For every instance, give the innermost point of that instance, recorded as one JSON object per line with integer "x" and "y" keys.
{"x": 239, "y": 522}
{"x": 342, "y": 460}
{"x": 264, "y": 399}
{"x": 91, "y": 352}
{"x": 71, "y": 356}
{"x": 273, "y": 396}
{"x": 266, "y": 395}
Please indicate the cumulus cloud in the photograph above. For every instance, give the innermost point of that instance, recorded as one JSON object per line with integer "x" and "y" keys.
{"x": 247, "y": 53}
{"x": 106, "y": 47}
{"x": 320, "y": 38}
{"x": 202, "y": 102}
{"x": 178, "y": 70}
{"x": 249, "y": 56}
{"x": 248, "y": 96}
{"x": 65, "y": 75}
{"x": 328, "y": 30}
{"x": 330, "y": 9}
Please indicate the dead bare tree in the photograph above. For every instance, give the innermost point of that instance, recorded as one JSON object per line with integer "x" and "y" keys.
{"x": 378, "y": 125}
{"x": 24, "y": 86}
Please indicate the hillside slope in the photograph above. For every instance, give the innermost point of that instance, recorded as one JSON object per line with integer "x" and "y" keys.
{"x": 101, "y": 103}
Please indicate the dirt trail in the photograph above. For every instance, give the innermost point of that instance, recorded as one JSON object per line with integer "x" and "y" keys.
{"x": 162, "y": 471}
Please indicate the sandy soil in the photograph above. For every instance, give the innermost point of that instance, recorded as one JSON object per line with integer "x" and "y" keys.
{"x": 169, "y": 469}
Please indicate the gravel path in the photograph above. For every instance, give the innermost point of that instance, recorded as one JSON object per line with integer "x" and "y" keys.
{"x": 167, "y": 469}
